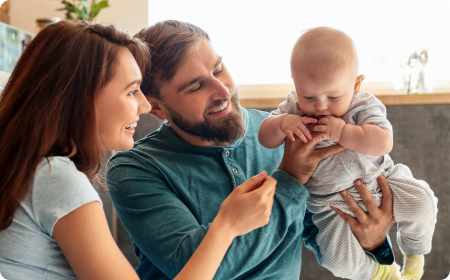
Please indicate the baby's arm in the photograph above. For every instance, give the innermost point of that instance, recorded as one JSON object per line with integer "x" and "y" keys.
{"x": 366, "y": 139}
{"x": 275, "y": 128}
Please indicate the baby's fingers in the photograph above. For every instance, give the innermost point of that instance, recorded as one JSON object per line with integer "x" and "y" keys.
{"x": 320, "y": 128}
{"x": 290, "y": 135}
{"x": 305, "y": 131}
{"x": 308, "y": 120}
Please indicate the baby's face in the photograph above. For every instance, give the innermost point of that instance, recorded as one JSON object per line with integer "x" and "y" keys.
{"x": 328, "y": 96}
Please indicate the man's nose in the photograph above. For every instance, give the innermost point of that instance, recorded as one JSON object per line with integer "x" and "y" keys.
{"x": 220, "y": 90}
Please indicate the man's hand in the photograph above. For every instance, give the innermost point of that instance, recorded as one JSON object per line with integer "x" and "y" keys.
{"x": 300, "y": 159}
{"x": 295, "y": 125}
{"x": 372, "y": 227}
{"x": 331, "y": 127}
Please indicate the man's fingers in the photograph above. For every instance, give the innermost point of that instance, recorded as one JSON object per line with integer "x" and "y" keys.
{"x": 348, "y": 218}
{"x": 366, "y": 197}
{"x": 386, "y": 202}
{"x": 354, "y": 207}
{"x": 328, "y": 151}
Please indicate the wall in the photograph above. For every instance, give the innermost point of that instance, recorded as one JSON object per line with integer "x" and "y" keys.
{"x": 129, "y": 15}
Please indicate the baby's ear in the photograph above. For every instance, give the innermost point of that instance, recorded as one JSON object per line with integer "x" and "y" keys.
{"x": 358, "y": 83}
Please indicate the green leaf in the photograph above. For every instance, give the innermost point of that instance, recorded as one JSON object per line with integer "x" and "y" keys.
{"x": 101, "y": 5}
{"x": 93, "y": 4}
{"x": 85, "y": 4}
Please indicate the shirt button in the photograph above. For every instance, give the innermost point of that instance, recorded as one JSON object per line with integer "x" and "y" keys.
{"x": 235, "y": 170}
{"x": 227, "y": 153}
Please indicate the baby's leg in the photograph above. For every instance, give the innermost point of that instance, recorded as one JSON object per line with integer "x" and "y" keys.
{"x": 415, "y": 209}
{"x": 340, "y": 251}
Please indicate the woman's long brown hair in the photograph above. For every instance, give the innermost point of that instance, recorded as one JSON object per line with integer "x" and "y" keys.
{"x": 47, "y": 107}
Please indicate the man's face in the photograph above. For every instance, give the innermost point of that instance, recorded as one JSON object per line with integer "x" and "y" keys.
{"x": 202, "y": 99}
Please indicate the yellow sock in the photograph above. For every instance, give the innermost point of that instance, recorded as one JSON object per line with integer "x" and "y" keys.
{"x": 412, "y": 267}
{"x": 387, "y": 272}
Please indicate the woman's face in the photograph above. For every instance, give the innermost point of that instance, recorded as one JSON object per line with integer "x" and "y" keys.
{"x": 119, "y": 104}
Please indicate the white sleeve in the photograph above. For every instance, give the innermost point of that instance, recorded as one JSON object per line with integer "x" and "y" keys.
{"x": 289, "y": 106}
{"x": 59, "y": 190}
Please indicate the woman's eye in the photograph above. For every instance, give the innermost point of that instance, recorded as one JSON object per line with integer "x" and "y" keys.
{"x": 133, "y": 93}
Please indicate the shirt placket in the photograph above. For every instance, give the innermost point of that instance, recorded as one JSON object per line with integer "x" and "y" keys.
{"x": 233, "y": 167}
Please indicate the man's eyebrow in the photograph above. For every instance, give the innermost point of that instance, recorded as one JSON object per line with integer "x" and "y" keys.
{"x": 190, "y": 83}
{"x": 138, "y": 81}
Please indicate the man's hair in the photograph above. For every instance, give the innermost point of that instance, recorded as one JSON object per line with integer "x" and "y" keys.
{"x": 169, "y": 42}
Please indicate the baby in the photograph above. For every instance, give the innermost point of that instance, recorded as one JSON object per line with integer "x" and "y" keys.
{"x": 324, "y": 67}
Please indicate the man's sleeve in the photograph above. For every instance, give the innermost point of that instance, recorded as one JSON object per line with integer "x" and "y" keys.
{"x": 166, "y": 231}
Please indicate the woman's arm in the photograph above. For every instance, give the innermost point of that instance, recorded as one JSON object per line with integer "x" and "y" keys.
{"x": 84, "y": 237}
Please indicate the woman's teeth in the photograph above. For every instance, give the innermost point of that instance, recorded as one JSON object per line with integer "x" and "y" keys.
{"x": 224, "y": 105}
{"x": 131, "y": 125}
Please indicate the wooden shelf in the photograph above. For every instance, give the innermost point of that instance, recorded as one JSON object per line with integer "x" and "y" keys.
{"x": 270, "y": 96}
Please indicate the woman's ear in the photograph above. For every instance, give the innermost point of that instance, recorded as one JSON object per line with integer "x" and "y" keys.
{"x": 156, "y": 110}
{"x": 358, "y": 83}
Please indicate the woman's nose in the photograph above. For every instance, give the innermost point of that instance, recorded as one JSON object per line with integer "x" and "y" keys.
{"x": 143, "y": 105}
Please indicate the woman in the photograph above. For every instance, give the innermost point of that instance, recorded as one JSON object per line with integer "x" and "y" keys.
{"x": 75, "y": 92}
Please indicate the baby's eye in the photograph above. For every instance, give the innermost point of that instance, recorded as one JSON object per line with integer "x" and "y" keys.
{"x": 308, "y": 97}
{"x": 333, "y": 98}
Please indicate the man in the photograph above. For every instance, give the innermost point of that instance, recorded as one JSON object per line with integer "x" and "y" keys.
{"x": 169, "y": 187}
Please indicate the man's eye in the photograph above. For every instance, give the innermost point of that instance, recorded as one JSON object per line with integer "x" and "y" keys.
{"x": 218, "y": 72}
{"x": 197, "y": 89}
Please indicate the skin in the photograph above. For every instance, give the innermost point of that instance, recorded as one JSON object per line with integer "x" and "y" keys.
{"x": 83, "y": 235}
{"x": 300, "y": 159}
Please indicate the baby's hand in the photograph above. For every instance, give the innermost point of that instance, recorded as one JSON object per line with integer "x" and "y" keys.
{"x": 332, "y": 128}
{"x": 293, "y": 124}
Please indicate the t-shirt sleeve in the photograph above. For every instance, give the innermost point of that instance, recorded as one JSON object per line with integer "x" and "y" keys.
{"x": 370, "y": 110}
{"x": 289, "y": 106}
{"x": 59, "y": 189}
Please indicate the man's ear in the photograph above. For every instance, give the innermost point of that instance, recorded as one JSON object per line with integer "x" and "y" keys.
{"x": 358, "y": 83}
{"x": 156, "y": 110}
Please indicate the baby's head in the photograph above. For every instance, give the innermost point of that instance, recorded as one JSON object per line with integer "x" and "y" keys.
{"x": 324, "y": 67}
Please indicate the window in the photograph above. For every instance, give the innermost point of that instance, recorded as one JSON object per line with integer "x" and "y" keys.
{"x": 255, "y": 37}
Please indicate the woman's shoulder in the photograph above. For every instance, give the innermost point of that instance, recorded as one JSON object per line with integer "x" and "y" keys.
{"x": 57, "y": 189}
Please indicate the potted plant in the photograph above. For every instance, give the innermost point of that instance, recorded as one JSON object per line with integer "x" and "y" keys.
{"x": 80, "y": 9}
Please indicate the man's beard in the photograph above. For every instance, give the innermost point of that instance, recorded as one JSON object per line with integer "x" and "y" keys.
{"x": 226, "y": 129}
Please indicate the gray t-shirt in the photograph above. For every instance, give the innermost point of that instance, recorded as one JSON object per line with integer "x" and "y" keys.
{"x": 339, "y": 171}
{"x": 27, "y": 248}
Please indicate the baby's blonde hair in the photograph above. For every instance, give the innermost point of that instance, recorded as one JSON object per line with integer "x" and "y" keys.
{"x": 321, "y": 51}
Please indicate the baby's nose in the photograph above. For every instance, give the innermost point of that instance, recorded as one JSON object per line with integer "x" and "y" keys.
{"x": 321, "y": 106}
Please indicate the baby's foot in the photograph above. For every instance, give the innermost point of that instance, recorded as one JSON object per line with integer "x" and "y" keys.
{"x": 387, "y": 272}
{"x": 413, "y": 266}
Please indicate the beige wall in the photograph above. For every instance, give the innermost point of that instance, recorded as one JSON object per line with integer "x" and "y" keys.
{"x": 131, "y": 15}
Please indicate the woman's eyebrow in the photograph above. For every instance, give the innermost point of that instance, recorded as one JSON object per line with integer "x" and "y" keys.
{"x": 135, "y": 82}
